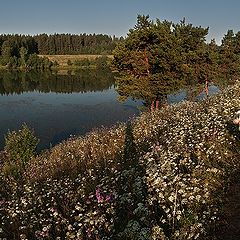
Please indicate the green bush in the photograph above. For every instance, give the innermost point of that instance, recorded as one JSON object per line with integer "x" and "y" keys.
{"x": 83, "y": 62}
{"x": 20, "y": 146}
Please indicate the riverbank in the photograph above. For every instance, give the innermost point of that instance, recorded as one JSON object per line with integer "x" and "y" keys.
{"x": 63, "y": 59}
{"x": 72, "y": 62}
{"x": 163, "y": 175}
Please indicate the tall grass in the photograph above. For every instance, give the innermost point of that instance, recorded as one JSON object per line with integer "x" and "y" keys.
{"x": 161, "y": 176}
{"x": 62, "y": 60}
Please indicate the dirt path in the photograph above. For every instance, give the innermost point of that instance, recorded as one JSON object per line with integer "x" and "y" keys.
{"x": 230, "y": 226}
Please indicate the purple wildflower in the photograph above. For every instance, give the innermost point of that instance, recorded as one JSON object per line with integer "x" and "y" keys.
{"x": 2, "y": 201}
{"x": 99, "y": 196}
{"x": 109, "y": 198}
{"x": 89, "y": 232}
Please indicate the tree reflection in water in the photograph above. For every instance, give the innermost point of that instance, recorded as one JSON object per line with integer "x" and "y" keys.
{"x": 77, "y": 82}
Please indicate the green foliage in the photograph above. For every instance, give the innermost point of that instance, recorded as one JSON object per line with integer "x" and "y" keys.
{"x": 84, "y": 62}
{"x": 229, "y": 60}
{"x": 26, "y": 48}
{"x": 21, "y": 59}
{"x": 23, "y": 56}
{"x": 58, "y": 44}
{"x": 3, "y": 61}
{"x": 38, "y": 63}
{"x": 101, "y": 62}
{"x": 159, "y": 57}
{"x": 12, "y": 62}
{"x": 153, "y": 57}
{"x": 75, "y": 44}
{"x": 20, "y": 147}
{"x": 7, "y": 49}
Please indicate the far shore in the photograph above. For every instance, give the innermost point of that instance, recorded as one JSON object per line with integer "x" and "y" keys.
{"x": 62, "y": 60}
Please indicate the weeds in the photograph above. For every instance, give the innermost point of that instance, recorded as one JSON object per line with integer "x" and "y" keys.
{"x": 161, "y": 177}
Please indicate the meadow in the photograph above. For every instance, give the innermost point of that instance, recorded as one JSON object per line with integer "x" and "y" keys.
{"x": 163, "y": 175}
{"x": 63, "y": 60}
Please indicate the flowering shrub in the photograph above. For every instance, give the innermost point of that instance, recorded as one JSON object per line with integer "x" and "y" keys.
{"x": 162, "y": 176}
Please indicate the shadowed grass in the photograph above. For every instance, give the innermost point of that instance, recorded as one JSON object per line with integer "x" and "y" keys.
{"x": 167, "y": 172}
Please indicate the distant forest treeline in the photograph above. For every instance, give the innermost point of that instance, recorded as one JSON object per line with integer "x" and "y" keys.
{"x": 58, "y": 44}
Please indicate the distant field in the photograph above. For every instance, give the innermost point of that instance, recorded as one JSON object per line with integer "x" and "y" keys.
{"x": 62, "y": 59}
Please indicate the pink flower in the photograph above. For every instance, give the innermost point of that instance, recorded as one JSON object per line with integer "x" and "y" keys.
{"x": 103, "y": 197}
{"x": 2, "y": 202}
{"x": 89, "y": 232}
{"x": 236, "y": 121}
{"x": 99, "y": 196}
{"x": 109, "y": 198}
{"x": 238, "y": 112}
{"x": 53, "y": 209}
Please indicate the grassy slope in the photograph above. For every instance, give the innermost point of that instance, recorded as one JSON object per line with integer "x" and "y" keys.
{"x": 62, "y": 59}
{"x": 184, "y": 157}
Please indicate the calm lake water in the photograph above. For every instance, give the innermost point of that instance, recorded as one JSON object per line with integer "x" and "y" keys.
{"x": 58, "y": 106}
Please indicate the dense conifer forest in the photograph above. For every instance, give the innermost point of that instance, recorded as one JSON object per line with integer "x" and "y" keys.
{"x": 58, "y": 44}
{"x": 21, "y": 51}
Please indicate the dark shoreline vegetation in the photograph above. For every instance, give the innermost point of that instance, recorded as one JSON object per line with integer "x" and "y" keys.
{"x": 163, "y": 175}
{"x": 43, "y": 63}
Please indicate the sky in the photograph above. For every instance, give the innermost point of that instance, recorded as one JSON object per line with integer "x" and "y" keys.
{"x": 114, "y": 17}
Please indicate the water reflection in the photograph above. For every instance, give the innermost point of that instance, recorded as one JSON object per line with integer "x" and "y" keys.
{"x": 58, "y": 106}
{"x": 80, "y": 81}
{"x": 156, "y": 94}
